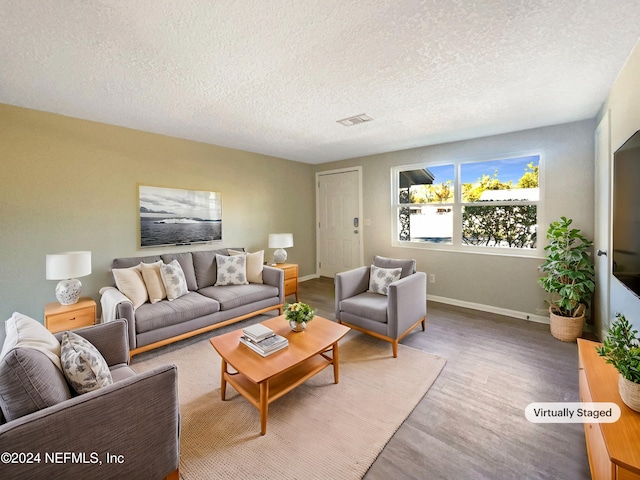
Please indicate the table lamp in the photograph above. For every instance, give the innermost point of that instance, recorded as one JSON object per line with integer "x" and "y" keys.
{"x": 65, "y": 267}
{"x": 280, "y": 241}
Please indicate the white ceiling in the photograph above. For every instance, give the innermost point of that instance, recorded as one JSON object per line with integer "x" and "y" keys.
{"x": 274, "y": 76}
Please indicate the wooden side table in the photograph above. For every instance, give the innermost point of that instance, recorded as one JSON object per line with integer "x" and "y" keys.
{"x": 58, "y": 318}
{"x": 290, "y": 278}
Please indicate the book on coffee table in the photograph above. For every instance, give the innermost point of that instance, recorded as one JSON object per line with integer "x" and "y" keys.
{"x": 258, "y": 332}
{"x": 267, "y": 346}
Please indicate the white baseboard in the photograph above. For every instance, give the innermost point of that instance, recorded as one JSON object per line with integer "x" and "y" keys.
{"x": 308, "y": 277}
{"x": 489, "y": 308}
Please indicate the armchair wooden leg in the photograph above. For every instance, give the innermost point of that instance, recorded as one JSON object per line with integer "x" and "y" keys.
{"x": 394, "y": 345}
{"x": 424, "y": 324}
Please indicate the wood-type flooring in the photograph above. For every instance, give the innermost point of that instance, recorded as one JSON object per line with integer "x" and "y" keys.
{"x": 471, "y": 423}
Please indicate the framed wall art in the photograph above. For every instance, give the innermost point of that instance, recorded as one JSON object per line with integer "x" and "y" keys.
{"x": 172, "y": 216}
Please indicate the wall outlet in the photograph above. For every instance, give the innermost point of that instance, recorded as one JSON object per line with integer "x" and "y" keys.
{"x": 432, "y": 278}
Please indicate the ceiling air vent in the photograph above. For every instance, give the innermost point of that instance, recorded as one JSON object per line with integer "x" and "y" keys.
{"x": 347, "y": 122}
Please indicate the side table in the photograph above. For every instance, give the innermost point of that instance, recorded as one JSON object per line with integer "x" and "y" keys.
{"x": 290, "y": 278}
{"x": 58, "y": 318}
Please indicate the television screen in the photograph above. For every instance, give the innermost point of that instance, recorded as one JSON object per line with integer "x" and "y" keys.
{"x": 626, "y": 213}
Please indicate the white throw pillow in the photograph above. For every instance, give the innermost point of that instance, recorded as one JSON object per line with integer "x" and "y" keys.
{"x": 83, "y": 365}
{"x": 129, "y": 281}
{"x": 232, "y": 270}
{"x": 381, "y": 278}
{"x": 22, "y": 331}
{"x": 174, "y": 280}
{"x": 255, "y": 262}
{"x": 153, "y": 281}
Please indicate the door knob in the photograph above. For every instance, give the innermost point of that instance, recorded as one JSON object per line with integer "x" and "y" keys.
{"x": 601, "y": 252}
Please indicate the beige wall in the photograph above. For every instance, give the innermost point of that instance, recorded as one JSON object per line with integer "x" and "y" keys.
{"x": 69, "y": 184}
{"x": 624, "y": 110}
{"x": 496, "y": 283}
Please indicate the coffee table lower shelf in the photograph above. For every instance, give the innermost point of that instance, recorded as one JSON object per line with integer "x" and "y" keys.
{"x": 260, "y": 395}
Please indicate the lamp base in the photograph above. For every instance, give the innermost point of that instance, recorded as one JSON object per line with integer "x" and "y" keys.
{"x": 280, "y": 256}
{"x": 68, "y": 291}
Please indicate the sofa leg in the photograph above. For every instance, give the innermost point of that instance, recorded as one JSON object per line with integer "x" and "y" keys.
{"x": 424, "y": 324}
{"x": 175, "y": 475}
{"x": 394, "y": 346}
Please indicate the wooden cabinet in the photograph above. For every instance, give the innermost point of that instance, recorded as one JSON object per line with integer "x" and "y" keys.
{"x": 290, "y": 278}
{"x": 613, "y": 448}
{"x": 58, "y": 318}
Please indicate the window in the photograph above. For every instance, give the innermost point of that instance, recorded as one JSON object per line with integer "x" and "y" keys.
{"x": 468, "y": 204}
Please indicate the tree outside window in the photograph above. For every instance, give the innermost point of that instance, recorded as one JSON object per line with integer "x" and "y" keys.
{"x": 496, "y": 202}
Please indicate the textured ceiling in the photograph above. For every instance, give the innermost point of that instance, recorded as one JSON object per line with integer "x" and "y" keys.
{"x": 273, "y": 77}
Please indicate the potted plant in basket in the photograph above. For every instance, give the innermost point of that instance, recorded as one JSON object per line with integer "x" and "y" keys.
{"x": 298, "y": 315}
{"x": 569, "y": 279}
{"x": 621, "y": 349}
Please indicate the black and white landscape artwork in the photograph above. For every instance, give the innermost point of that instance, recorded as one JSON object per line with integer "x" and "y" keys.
{"x": 172, "y": 216}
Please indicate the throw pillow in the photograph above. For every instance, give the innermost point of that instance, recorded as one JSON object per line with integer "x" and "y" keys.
{"x": 23, "y": 331}
{"x": 29, "y": 381}
{"x": 174, "y": 280}
{"x": 83, "y": 365}
{"x": 255, "y": 262}
{"x": 129, "y": 281}
{"x": 381, "y": 278}
{"x": 232, "y": 270}
{"x": 153, "y": 281}
{"x": 408, "y": 265}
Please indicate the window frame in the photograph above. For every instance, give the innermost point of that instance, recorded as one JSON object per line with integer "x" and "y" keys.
{"x": 457, "y": 205}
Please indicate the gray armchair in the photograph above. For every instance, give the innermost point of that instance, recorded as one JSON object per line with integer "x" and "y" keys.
{"x": 129, "y": 429}
{"x": 388, "y": 317}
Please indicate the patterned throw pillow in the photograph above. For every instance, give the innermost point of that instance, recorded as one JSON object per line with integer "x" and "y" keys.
{"x": 83, "y": 365}
{"x": 381, "y": 278}
{"x": 232, "y": 270}
{"x": 255, "y": 262}
{"x": 174, "y": 280}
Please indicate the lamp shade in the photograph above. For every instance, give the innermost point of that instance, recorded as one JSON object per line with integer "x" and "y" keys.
{"x": 61, "y": 266}
{"x": 280, "y": 240}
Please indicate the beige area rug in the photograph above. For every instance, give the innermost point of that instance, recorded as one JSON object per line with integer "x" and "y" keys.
{"x": 320, "y": 430}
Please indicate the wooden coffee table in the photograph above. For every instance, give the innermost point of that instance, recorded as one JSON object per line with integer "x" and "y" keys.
{"x": 262, "y": 380}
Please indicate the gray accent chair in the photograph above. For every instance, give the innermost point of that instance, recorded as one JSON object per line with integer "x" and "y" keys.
{"x": 387, "y": 317}
{"x": 135, "y": 420}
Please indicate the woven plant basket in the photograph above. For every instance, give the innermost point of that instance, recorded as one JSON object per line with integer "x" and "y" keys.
{"x": 567, "y": 329}
{"x": 630, "y": 393}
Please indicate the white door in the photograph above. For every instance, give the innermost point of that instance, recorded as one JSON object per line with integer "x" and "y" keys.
{"x": 602, "y": 233}
{"x": 339, "y": 227}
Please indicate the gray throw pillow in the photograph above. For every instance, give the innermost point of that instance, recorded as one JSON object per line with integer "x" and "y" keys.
{"x": 29, "y": 381}
{"x": 83, "y": 365}
{"x": 381, "y": 278}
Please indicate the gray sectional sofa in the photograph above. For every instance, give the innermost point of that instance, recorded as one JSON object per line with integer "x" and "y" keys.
{"x": 205, "y": 307}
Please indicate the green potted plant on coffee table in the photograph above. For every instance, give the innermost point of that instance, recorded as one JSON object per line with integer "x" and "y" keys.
{"x": 569, "y": 279}
{"x": 298, "y": 315}
{"x": 621, "y": 349}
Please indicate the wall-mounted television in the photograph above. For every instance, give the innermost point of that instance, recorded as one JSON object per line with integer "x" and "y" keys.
{"x": 626, "y": 213}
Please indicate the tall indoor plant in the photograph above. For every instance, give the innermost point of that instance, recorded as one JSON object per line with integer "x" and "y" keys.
{"x": 569, "y": 279}
{"x": 621, "y": 349}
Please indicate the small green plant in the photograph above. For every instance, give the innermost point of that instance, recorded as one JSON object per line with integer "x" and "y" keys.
{"x": 621, "y": 348}
{"x": 569, "y": 269}
{"x": 299, "y": 312}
